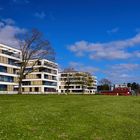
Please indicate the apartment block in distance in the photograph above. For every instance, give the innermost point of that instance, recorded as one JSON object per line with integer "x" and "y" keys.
{"x": 43, "y": 80}
{"x": 8, "y": 69}
{"x": 76, "y": 82}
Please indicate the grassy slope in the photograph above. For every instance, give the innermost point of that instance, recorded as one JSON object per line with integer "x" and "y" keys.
{"x": 54, "y": 117}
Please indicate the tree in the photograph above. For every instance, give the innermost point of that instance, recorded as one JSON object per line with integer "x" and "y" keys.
{"x": 105, "y": 81}
{"x": 33, "y": 47}
{"x": 129, "y": 85}
{"x": 105, "y": 84}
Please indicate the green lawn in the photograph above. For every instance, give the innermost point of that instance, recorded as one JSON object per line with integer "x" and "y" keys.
{"x": 62, "y": 117}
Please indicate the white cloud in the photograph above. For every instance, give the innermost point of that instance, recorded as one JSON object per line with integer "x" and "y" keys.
{"x": 8, "y": 32}
{"x": 109, "y": 50}
{"x": 8, "y": 21}
{"x": 40, "y": 15}
{"x": 122, "y": 73}
{"x": 114, "y": 30}
{"x": 81, "y": 67}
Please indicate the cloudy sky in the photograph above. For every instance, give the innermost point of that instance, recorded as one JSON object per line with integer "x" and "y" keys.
{"x": 99, "y": 36}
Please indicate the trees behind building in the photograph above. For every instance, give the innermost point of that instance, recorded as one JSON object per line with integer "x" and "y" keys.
{"x": 104, "y": 85}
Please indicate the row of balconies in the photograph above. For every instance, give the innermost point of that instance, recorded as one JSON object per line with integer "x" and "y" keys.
{"x": 41, "y": 76}
{"x": 47, "y": 83}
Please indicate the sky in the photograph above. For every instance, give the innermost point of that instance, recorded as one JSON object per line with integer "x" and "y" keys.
{"x": 98, "y": 36}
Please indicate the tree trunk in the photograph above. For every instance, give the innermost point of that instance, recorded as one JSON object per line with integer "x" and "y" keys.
{"x": 20, "y": 86}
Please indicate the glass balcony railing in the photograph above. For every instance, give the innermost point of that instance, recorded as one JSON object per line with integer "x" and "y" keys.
{"x": 48, "y": 83}
{"x": 3, "y": 69}
{"x": 4, "y": 78}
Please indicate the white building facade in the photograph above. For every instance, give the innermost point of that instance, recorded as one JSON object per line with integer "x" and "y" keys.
{"x": 75, "y": 82}
{"x": 8, "y": 69}
{"x": 43, "y": 80}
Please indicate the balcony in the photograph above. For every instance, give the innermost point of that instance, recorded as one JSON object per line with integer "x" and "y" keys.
{"x": 3, "y": 69}
{"x": 6, "y": 78}
{"x": 48, "y": 83}
{"x": 11, "y": 53}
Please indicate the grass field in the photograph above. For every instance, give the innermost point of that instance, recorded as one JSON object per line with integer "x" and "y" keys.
{"x": 61, "y": 117}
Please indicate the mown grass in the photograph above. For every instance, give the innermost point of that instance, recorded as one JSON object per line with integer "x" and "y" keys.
{"x": 61, "y": 117}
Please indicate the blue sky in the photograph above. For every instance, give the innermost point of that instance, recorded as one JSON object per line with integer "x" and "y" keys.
{"x": 99, "y": 36}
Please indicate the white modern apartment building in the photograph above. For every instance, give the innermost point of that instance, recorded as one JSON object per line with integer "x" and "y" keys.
{"x": 8, "y": 68}
{"x": 77, "y": 82}
{"x": 43, "y": 80}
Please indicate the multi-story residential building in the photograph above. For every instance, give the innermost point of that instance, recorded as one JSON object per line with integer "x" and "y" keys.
{"x": 43, "y": 80}
{"x": 77, "y": 82}
{"x": 8, "y": 66}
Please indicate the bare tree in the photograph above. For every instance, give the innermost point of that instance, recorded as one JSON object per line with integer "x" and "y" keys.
{"x": 105, "y": 81}
{"x": 104, "y": 84}
{"x": 33, "y": 47}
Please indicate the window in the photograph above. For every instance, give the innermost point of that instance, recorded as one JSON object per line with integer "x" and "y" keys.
{"x": 38, "y": 75}
{"x": 46, "y": 76}
{"x": 39, "y": 63}
{"x": 12, "y": 62}
{"x": 49, "y": 89}
{"x": 48, "y": 83}
{"x": 30, "y": 89}
{"x": 3, "y": 87}
{"x": 77, "y": 86}
{"x": 3, "y": 69}
{"x": 26, "y": 83}
{"x": 54, "y": 71}
{"x": 14, "y": 71}
{"x": 28, "y": 69}
{"x": 22, "y": 89}
{"x": 45, "y": 70}
{"x": 6, "y": 78}
{"x": 53, "y": 77}
{"x": 36, "y": 89}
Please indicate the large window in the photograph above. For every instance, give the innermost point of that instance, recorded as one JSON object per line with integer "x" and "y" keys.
{"x": 12, "y": 62}
{"x": 54, "y": 78}
{"x": 38, "y": 76}
{"x": 26, "y": 83}
{"x": 36, "y": 89}
{"x": 44, "y": 70}
{"x": 49, "y": 89}
{"x": 48, "y": 83}
{"x": 46, "y": 76}
{"x": 6, "y": 78}
{"x": 3, "y": 69}
{"x": 3, "y": 87}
